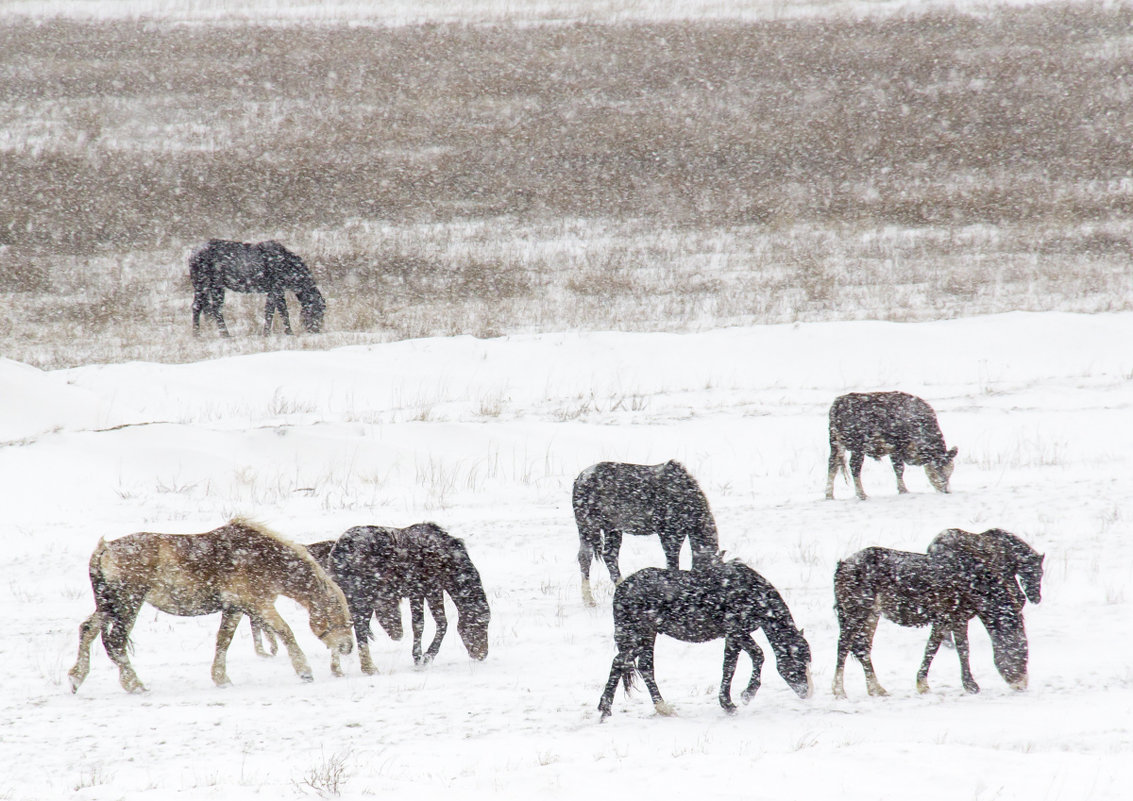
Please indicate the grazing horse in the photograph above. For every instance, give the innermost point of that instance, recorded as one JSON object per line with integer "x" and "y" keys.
{"x": 613, "y": 498}
{"x": 377, "y": 566}
{"x": 894, "y": 424}
{"x": 998, "y": 551}
{"x": 237, "y": 569}
{"x": 266, "y": 267}
{"x": 724, "y": 599}
{"x": 914, "y": 589}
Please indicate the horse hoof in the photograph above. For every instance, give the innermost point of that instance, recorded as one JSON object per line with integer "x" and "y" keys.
{"x": 729, "y": 708}
{"x": 306, "y": 677}
{"x": 971, "y": 689}
{"x": 665, "y": 709}
{"x": 746, "y": 696}
{"x": 922, "y": 686}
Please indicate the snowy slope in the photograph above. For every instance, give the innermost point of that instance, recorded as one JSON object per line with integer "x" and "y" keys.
{"x": 485, "y": 437}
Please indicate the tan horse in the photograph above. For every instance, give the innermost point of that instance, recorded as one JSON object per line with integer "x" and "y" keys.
{"x": 237, "y": 569}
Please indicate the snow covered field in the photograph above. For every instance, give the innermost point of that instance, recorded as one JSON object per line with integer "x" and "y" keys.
{"x": 485, "y": 438}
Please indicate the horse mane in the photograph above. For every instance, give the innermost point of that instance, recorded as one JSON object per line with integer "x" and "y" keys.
{"x": 300, "y": 552}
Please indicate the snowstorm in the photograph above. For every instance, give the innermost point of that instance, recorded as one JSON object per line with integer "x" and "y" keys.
{"x": 544, "y": 399}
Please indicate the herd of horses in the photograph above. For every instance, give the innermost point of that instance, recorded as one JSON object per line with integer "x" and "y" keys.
{"x": 241, "y": 568}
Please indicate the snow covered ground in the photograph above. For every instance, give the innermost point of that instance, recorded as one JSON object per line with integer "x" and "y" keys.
{"x": 485, "y": 438}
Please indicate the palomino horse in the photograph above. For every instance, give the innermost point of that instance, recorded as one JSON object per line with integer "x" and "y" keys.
{"x": 914, "y": 589}
{"x": 724, "y": 599}
{"x": 378, "y": 566}
{"x": 614, "y": 498}
{"x": 237, "y": 569}
{"x": 266, "y": 267}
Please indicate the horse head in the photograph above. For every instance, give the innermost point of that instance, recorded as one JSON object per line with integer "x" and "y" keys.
{"x": 330, "y": 618}
{"x": 792, "y": 659}
{"x": 473, "y": 628}
{"x": 1009, "y": 644}
{"x": 311, "y": 308}
{"x": 939, "y": 470}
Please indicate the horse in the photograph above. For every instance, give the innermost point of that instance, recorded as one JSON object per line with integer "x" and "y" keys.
{"x": 613, "y": 498}
{"x": 378, "y": 566}
{"x": 894, "y": 424}
{"x": 237, "y": 569}
{"x": 997, "y": 550}
{"x": 914, "y": 589}
{"x": 266, "y": 267}
{"x": 724, "y": 599}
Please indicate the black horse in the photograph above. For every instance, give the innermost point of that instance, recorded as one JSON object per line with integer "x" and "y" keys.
{"x": 914, "y": 589}
{"x": 376, "y": 567}
{"x": 724, "y": 599}
{"x": 998, "y": 551}
{"x": 266, "y": 267}
{"x": 612, "y": 498}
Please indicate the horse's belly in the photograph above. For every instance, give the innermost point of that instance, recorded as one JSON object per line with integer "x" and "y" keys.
{"x": 186, "y": 601}
{"x": 905, "y": 612}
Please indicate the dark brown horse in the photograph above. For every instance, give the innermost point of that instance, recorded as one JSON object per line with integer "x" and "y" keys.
{"x": 377, "y": 566}
{"x": 913, "y": 589}
{"x": 266, "y": 267}
{"x": 237, "y": 569}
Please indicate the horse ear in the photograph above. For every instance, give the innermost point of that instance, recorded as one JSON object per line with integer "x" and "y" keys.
{"x": 952, "y": 452}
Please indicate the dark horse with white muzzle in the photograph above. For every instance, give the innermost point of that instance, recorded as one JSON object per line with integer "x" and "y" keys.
{"x": 266, "y": 267}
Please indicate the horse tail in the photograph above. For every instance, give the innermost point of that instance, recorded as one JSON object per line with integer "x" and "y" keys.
{"x": 108, "y": 600}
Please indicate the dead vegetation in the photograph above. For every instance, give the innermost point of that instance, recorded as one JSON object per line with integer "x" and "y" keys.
{"x": 484, "y": 179}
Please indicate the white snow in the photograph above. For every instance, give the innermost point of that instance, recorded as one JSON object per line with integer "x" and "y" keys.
{"x": 485, "y": 438}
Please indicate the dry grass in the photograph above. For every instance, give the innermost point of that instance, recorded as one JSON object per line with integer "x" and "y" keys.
{"x": 485, "y": 179}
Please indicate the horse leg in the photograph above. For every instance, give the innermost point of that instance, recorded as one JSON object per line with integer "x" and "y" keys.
{"x": 857, "y": 459}
{"x": 837, "y": 455}
{"x": 271, "y": 618}
{"x": 645, "y": 665}
{"x": 861, "y": 646}
{"x": 259, "y": 634}
{"x": 436, "y": 601}
{"x": 197, "y": 306}
{"x": 731, "y": 657}
{"x": 899, "y": 471}
{"x": 671, "y": 545}
{"x": 89, "y": 630}
{"x": 361, "y": 615}
{"x": 618, "y": 670}
{"x": 417, "y": 622}
{"x": 756, "y": 653}
{"x": 281, "y": 306}
{"x": 960, "y": 637}
{"x": 229, "y": 620}
{"x": 589, "y": 539}
{"x": 935, "y": 638}
{"x": 611, "y": 546}
{"x": 847, "y": 630}
{"x": 116, "y": 637}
